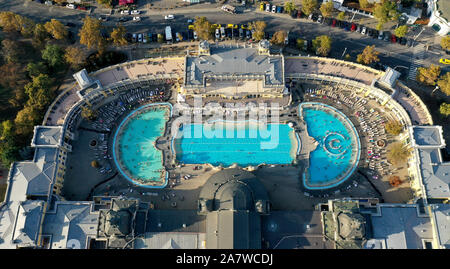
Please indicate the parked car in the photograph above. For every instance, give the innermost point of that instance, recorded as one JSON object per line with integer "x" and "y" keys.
{"x": 444, "y": 61}
{"x": 333, "y": 24}
{"x": 134, "y": 39}
{"x": 177, "y": 37}
{"x": 48, "y": 3}
{"x": 274, "y": 9}
{"x": 248, "y": 34}
{"x": 279, "y": 9}
{"x": 380, "y": 35}
{"x": 139, "y": 38}
{"x": 135, "y": 12}
{"x": 410, "y": 42}
{"x": 310, "y": 17}
{"x": 387, "y": 36}
{"x": 267, "y": 7}
{"x": 261, "y": 6}
{"x": 125, "y": 12}
{"x": 363, "y": 31}
{"x": 149, "y": 37}
{"x": 136, "y": 19}
{"x": 123, "y": 19}
{"x": 222, "y": 32}
{"x": 229, "y": 32}
{"x": 299, "y": 14}
{"x": 217, "y": 33}
{"x": 294, "y": 14}
{"x": 320, "y": 19}
{"x": 353, "y": 28}
{"x": 81, "y": 8}
{"x": 393, "y": 39}
{"x": 169, "y": 17}
{"x": 347, "y": 26}
{"x": 235, "y": 32}
{"x": 71, "y": 6}
{"x": 128, "y": 37}
{"x": 195, "y": 35}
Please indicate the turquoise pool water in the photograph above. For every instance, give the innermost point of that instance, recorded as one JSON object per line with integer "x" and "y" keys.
{"x": 241, "y": 143}
{"x": 338, "y": 148}
{"x": 138, "y": 159}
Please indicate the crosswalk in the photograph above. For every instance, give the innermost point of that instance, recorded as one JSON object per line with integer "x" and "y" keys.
{"x": 417, "y": 60}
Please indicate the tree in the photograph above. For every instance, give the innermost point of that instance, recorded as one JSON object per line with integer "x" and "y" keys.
{"x": 40, "y": 36}
{"x": 398, "y": 153}
{"x": 309, "y": 6}
{"x": 364, "y": 4}
{"x": 289, "y": 7}
{"x": 75, "y": 56}
{"x": 160, "y": 38}
{"x": 56, "y": 29}
{"x": 35, "y": 69}
{"x": 279, "y": 37}
{"x": 401, "y": 31}
{"x": 11, "y": 50}
{"x": 8, "y": 22}
{"x": 428, "y": 76}
{"x": 444, "y": 109}
{"x": 88, "y": 113}
{"x": 259, "y": 27}
{"x": 90, "y": 34}
{"x": 26, "y": 119}
{"x": 385, "y": 11}
{"x": 118, "y": 36}
{"x": 393, "y": 127}
{"x": 368, "y": 56}
{"x": 348, "y": 57}
{"x": 39, "y": 92}
{"x": 445, "y": 43}
{"x": 53, "y": 55}
{"x": 300, "y": 43}
{"x": 203, "y": 28}
{"x": 7, "y": 130}
{"x": 341, "y": 16}
{"x": 395, "y": 181}
{"x": 327, "y": 9}
{"x": 106, "y": 3}
{"x": 444, "y": 83}
{"x": 95, "y": 164}
{"x": 26, "y": 25}
{"x": 322, "y": 45}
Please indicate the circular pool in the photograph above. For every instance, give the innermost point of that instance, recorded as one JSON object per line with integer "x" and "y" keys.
{"x": 134, "y": 146}
{"x": 338, "y": 147}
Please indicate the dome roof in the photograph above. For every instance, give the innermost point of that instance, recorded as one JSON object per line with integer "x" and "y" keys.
{"x": 235, "y": 196}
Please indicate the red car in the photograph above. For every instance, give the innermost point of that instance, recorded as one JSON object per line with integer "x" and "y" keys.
{"x": 393, "y": 39}
{"x": 81, "y": 8}
{"x": 353, "y": 27}
{"x": 299, "y": 14}
{"x": 333, "y": 24}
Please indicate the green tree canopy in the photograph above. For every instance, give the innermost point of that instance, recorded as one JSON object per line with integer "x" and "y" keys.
{"x": 300, "y": 44}
{"x": 289, "y": 7}
{"x": 444, "y": 109}
{"x": 385, "y": 11}
{"x": 53, "y": 55}
{"x": 444, "y": 83}
{"x": 39, "y": 91}
{"x": 401, "y": 31}
{"x": 35, "y": 69}
{"x": 309, "y": 6}
{"x": 322, "y": 45}
{"x": 341, "y": 16}
{"x": 40, "y": 36}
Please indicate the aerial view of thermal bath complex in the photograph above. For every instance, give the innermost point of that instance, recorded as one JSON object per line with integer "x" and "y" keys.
{"x": 231, "y": 147}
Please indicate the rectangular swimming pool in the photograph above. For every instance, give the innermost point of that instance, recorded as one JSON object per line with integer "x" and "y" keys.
{"x": 242, "y": 143}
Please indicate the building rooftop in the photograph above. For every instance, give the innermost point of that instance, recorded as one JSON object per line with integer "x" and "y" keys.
{"x": 428, "y": 136}
{"x": 47, "y": 136}
{"x": 183, "y": 221}
{"x": 399, "y": 227}
{"x": 70, "y": 224}
{"x": 435, "y": 174}
{"x": 234, "y": 61}
{"x": 441, "y": 215}
{"x": 28, "y": 223}
{"x": 171, "y": 241}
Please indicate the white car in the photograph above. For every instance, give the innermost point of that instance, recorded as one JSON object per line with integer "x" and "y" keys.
{"x": 274, "y": 9}
{"x": 49, "y": 3}
{"x": 319, "y": 20}
{"x": 169, "y": 17}
{"x": 217, "y": 33}
{"x": 195, "y": 35}
{"x": 135, "y": 12}
{"x": 267, "y": 7}
{"x": 381, "y": 35}
{"x": 140, "y": 38}
{"x": 136, "y": 18}
{"x": 125, "y": 12}
{"x": 364, "y": 30}
{"x": 72, "y": 6}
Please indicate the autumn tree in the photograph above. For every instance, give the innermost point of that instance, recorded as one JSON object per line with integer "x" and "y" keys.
{"x": 259, "y": 27}
{"x": 26, "y": 25}
{"x": 118, "y": 36}
{"x": 53, "y": 55}
{"x": 95, "y": 164}
{"x": 364, "y": 4}
{"x": 105, "y": 3}
{"x": 341, "y": 16}
{"x": 56, "y": 29}
{"x": 384, "y": 12}
{"x": 309, "y": 6}
{"x": 26, "y": 119}
{"x": 322, "y": 45}
{"x": 40, "y": 36}
{"x": 39, "y": 92}
{"x": 90, "y": 34}
{"x": 445, "y": 43}
{"x": 289, "y": 7}
{"x": 88, "y": 113}
{"x": 444, "y": 83}
{"x": 398, "y": 153}
{"x": 444, "y": 109}
{"x": 393, "y": 127}
{"x": 300, "y": 44}
{"x": 8, "y": 22}
{"x": 428, "y": 76}
{"x": 368, "y": 56}
{"x": 75, "y": 56}
{"x": 401, "y": 31}
{"x": 10, "y": 50}
{"x": 203, "y": 28}
{"x": 327, "y": 9}
{"x": 279, "y": 37}
{"x": 395, "y": 181}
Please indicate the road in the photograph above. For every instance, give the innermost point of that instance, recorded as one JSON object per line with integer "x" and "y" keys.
{"x": 394, "y": 55}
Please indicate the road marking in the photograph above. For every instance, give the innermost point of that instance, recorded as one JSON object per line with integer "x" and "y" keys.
{"x": 416, "y": 60}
